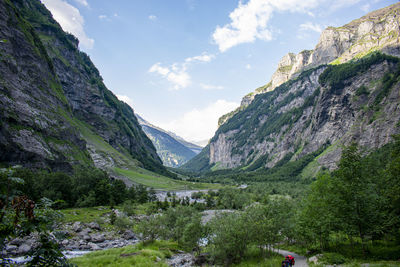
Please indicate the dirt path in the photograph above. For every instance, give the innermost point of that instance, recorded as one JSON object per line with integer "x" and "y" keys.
{"x": 300, "y": 261}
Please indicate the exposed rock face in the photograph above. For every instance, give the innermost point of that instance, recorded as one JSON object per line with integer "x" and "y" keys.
{"x": 378, "y": 30}
{"x": 306, "y": 114}
{"x": 308, "y": 105}
{"x": 55, "y": 110}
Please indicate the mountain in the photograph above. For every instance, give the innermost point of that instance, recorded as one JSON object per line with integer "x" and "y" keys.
{"x": 55, "y": 110}
{"x": 172, "y": 149}
{"x": 345, "y": 90}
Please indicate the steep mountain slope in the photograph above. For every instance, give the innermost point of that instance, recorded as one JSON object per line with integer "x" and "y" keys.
{"x": 173, "y": 150}
{"x": 55, "y": 110}
{"x": 378, "y": 30}
{"x": 321, "y": 106}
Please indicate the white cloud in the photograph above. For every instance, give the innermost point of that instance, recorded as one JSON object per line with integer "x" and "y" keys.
{"x": 366, "y": 8}
{"x": 126, "y": 99}
{"x": 248, "y": 66}
{"x": 204, "y": 57}
{"x": 250, "y": 21}
{"x": 103, "y": 17}
{"x": 343, "y": 3}
{"x": 211, "y": 87}
{"x": 70, "y": 20}
{"x": 82, "y": 2}
{"x": 175, "y": 74}
{"x": 309, "y": 26}
{"x": 153, "y": 17}
{"x": 200, "y": 124}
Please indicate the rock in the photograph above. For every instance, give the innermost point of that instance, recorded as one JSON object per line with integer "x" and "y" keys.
{"x": 93, "y": 246}
{"x": 77, "y": 226}
{"x": 24, "y": 248}
{"x": 11, "y": 249}
{"x": 128, "y": 234}
{"x": 201, "y": 259}
{"x": 17, "y": 241}
{"x": 98, "y": 238}
{"x": 87, "y": 238}
{"x": 85, "y": 232}
{"x": 181, "y": 260}
{"x": 314, "y": 259}
{"x": 94, "y": 226}
{"x": 84, "y": 247}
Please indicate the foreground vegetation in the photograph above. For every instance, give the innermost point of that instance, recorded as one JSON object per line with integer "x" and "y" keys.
{"x": 152, "y": 254}
{"x": 349, "y": 216}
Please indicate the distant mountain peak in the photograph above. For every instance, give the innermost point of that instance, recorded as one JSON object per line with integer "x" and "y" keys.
{"x": 172, "y": 149}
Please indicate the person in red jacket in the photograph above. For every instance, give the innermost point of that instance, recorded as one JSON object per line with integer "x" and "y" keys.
{"x": 290, "y": 259}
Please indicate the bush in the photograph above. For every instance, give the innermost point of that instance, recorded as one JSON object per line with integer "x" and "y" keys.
{"x": 230, "y": 238}
{"x": 123, "y": 222}
{"x": 385, "y": 253}
{"x": 333, "y": 258}
{"x": 129, "y": 207}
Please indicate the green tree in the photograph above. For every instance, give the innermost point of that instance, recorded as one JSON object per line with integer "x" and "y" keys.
{"x": 354, "y": 195}
{"x": 316, "y": 218}
{"x": 392, "y": 189}
{"x": 230, "y": 236}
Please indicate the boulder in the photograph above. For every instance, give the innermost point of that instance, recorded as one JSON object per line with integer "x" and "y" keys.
{"x": 94, "y": 226}
{"x": 85, "y": 232}
{"x": 314, "y": 259}
{"x": 181, "y": 260}
{"x": 86, "y": 237}
{"x": 128, "y": 235}
{"x": 16, "y": 242}
{"x": 24, "y": 248}
{"x": 93, "y": 246}
{"x": 98, "y": 238}
{"x": 77, "y": 226}
{"x": 11, "y": 249}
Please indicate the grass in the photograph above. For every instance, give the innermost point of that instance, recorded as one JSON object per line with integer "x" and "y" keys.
{"x": 253, "y": 258}
{"x": 127, "y": 166}
{"x": 153, "y": 254}
{"x": 156, "y": 181}
{"x": 99, "y": 144}
{"x": 266, "y": 262}
{"x": 311, "y": 170}
{"x": 85, "y": 215}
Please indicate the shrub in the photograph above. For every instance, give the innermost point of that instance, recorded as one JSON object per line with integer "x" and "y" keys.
{"x": 123, "y": 222}
{"x": 333, "y": 258}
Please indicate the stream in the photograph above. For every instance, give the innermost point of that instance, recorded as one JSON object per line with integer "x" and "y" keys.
{"x": 67, "y": 254}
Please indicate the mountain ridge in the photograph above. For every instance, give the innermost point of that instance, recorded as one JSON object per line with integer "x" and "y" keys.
{"x": 172, "y": 149}
{"x": 56, "y": 111}
{"x": 322, "y": 105}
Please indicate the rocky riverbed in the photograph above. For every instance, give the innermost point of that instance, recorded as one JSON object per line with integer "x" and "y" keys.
{"x": 74, "y": 237}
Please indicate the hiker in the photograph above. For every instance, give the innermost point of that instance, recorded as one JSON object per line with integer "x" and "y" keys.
{"x": 285, "y": 263}
{"x": 290, "y": 259}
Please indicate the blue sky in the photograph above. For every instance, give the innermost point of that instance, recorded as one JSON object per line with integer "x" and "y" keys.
{"x": 181, "y": 64}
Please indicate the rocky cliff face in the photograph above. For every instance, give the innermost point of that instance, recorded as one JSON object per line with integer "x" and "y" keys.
{"x": 173, "y": 151}
{"x": 309, "y": 106}
{"x": 55, "y": 110}
{"x": 378, "y": 30}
